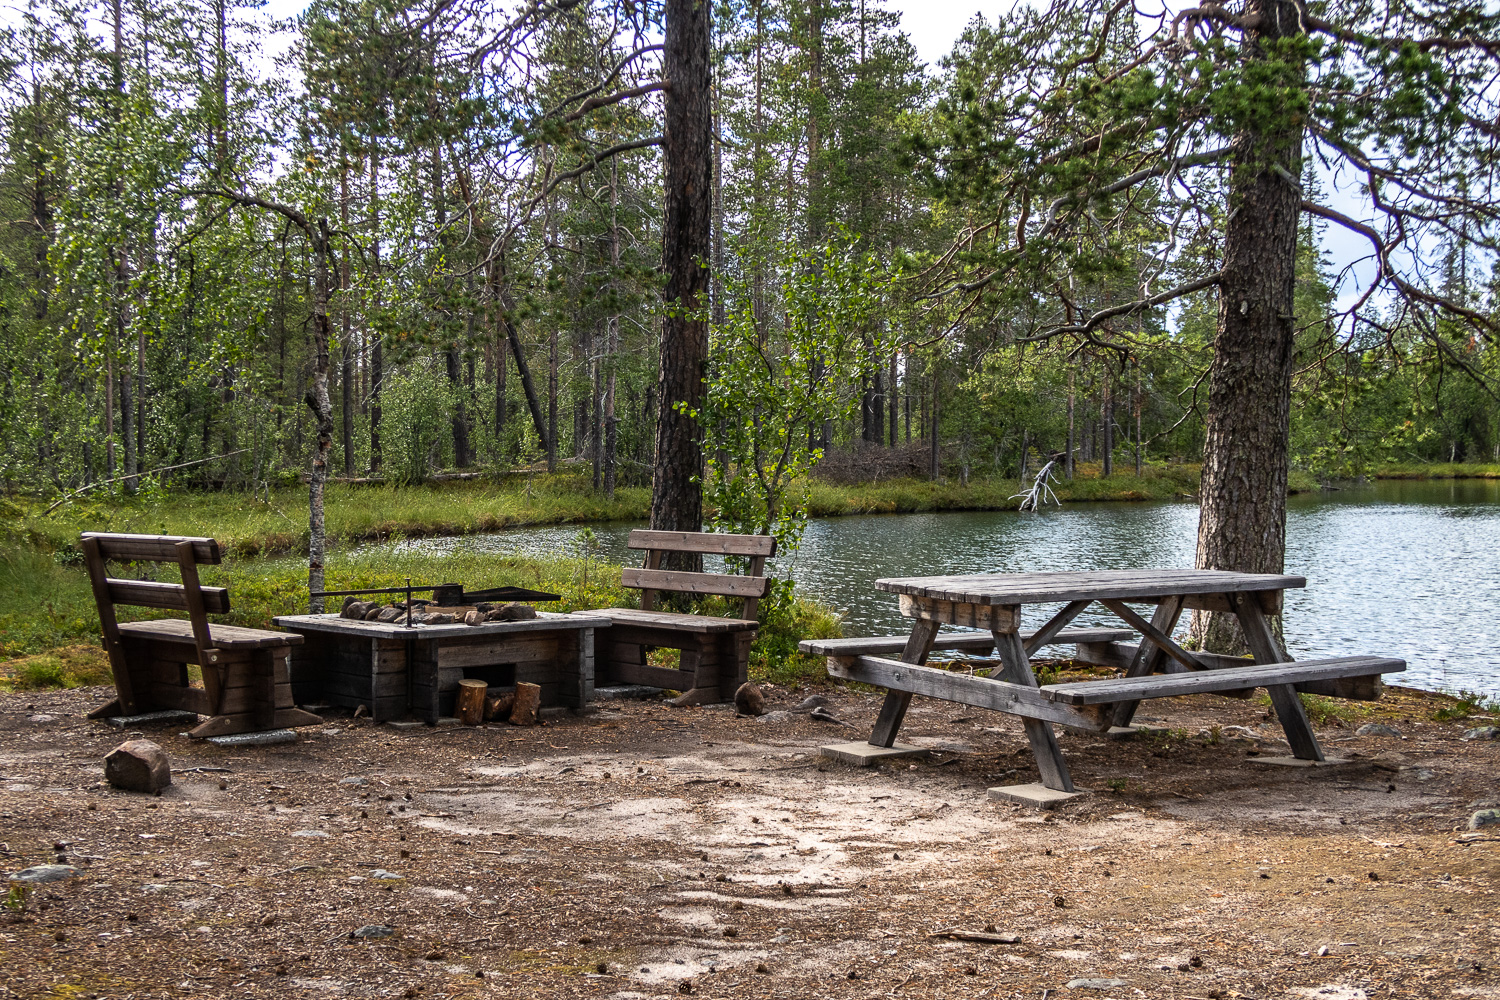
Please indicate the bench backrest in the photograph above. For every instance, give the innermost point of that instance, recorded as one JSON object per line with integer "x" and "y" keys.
{"x": 188, "y": 553}
{"x": 651, "y": 577}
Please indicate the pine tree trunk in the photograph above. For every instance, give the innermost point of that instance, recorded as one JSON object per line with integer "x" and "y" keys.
{"x": 318, "y": 401}
{"x": 377, "y": 352}
{"x": 1242, "y": 522}
{"x": 346, "y": 322}
{"x": 1068, "y": 461}
{"x": 676, "y": 493}
{"x": 1107, "y": 421}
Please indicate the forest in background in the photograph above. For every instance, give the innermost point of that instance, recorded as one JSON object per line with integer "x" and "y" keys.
{"x": 486, "y": 188}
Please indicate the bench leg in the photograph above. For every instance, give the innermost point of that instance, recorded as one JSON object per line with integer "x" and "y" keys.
{"x": 1049, "y": 759}
{"x": 1148, "y": 655}
{"x": 1294, "y": 721}
{"x": 893, "y": 711}
{"x": 892, "y": 714}
{"x": 1264, "y": 647}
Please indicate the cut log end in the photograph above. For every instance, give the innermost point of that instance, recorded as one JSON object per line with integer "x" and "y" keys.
{"x": 471, "y": 698}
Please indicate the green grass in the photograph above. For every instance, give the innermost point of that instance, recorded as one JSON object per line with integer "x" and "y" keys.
{"x": 67, "y": 667}
{"x": 1437, "y": 470}
{"x": 903, "y": 496}
{"x": 248, "y": 527}
{"x": 1464, "y": 704}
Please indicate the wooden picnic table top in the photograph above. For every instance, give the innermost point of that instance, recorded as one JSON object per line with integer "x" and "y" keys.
{"x": 1076, "y": 585}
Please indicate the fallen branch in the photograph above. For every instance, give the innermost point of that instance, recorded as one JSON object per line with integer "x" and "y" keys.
{"x": 137, "y": 475}
{"x": 1040, "y": 490}
{"x": 981, "y": 937}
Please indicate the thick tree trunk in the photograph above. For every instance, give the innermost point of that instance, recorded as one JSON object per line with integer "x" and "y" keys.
{"x": 676, "y": 493}
{"x": 1242, "y": 524}
{"x": 612, "y": 344}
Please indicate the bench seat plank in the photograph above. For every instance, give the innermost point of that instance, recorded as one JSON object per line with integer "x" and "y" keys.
{"x": 673, "y": 621}
{"x": 964, "y": 641}
{"x": 1224, "y": 679}
{"x": 965, "y": 689}
{"x": 222, "y": 636}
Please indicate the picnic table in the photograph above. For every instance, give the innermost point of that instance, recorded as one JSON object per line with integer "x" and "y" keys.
{"x": 993, "y": 602}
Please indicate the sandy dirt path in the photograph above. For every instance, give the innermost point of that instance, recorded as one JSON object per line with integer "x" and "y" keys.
{"x": 647, "y": 851}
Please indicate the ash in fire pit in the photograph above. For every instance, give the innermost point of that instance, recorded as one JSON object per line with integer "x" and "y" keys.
{"x": 476, "y": 614}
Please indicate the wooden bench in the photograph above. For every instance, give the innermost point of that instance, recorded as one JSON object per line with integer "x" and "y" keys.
{"x": 246, "y": 680}
{"x": 979, "y": 643}
{"x": 1222, "y": 679}
{"x": 715, "y": 651}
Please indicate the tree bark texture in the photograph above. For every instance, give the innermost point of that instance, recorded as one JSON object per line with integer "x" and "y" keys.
{"x": 318, "y": 401}
{"x": 1242, "y": 524}
{"x": 676, "y": 492}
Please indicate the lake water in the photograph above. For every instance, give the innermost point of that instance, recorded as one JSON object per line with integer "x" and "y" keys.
{"x": 1403, "y": 568}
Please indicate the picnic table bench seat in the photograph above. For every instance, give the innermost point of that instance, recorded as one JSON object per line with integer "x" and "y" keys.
{"x": 1219, "y": 680}
{"x": 965, "y": 642}
{"x": 246, "y": 678}
{"x": 715, "y": 652}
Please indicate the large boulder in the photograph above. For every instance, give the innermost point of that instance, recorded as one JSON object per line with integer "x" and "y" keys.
{"x": 138, "y": 766}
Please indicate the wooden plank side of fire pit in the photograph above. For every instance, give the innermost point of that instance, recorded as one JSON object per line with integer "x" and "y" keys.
{"x": 395, "y": 671}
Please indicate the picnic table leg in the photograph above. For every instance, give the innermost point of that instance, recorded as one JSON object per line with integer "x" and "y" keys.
{"x": 1017, "y": 670}
{"x": 893, "y": 711}
{"x": 1264, "y": 647}
{"x": 1148, "y": 655}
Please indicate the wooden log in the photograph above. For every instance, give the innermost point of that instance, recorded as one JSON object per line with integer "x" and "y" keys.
{"x": 497, "y": 709}
{"x": 528, "y": 699}
{"x": 470, "y": 707}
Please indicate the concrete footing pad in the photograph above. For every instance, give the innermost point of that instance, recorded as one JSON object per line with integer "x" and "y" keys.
{"x": 1035, "y": 794}
{"x": 862, "y": 754}
{"x": 1297, "y": 761}
{"x": 267, "y": 738}
{"x": 173, "y": 716}
{"x": 1131, "y": 732}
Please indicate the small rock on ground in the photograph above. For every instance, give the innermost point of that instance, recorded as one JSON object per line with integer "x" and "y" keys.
{"x": 776, "y": 717}
{"x": 748, "y": 700}
{"x": 1377, "y": 729}
{"x": 138, "y": 766}
{"x": 1095, "y": 984}
{"x": 1484, "y": 818}
{"x": 373, "y": 931}
{"x": 1483, "y": 733}
{"x": 43, "y": 873}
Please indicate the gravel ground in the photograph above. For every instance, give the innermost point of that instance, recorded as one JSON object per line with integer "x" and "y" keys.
{"x": 647, "y": 851}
